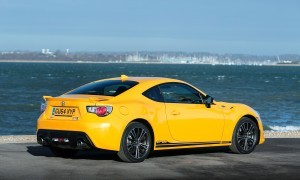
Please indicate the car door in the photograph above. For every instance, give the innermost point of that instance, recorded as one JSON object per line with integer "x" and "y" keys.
{"x": 189, "y": 120}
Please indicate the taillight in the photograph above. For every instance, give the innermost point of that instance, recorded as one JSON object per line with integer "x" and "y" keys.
{"x": 43, "y": 106}
{"x": 100, "y": 110}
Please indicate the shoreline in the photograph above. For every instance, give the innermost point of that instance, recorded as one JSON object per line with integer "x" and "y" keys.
{"x": 6, "y": 139}
{"x": 95, "y": 62}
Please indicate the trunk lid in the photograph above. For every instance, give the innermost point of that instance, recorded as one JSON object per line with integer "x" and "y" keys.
{"x": 70, "y": 107}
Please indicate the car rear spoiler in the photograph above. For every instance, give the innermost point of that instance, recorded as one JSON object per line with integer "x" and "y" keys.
{"x": 47, "y": 97}
{"x": 91, "y": 99}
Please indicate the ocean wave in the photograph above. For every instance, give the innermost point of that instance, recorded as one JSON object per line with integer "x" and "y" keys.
{"x": 284, "y": 128}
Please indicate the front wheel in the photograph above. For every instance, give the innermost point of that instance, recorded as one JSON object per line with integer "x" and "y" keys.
{"x": 245, "y": 136}
{"x": 136, "y": 143}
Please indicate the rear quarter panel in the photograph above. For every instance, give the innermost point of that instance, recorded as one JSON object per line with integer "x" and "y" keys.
{"x": 142, "y": 108}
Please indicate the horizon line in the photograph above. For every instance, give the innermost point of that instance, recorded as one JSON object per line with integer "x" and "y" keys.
{"x": 150, "y": 51}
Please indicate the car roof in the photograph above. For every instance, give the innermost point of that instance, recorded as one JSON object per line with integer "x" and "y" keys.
{"x": 148, "y": 82}
{"x": 146, "y": 79}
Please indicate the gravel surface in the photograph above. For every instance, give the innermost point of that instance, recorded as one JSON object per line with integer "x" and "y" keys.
{"x": 289, "y": 134}
{"x": 32, "y": 138}
{"x": 17, "y": 139}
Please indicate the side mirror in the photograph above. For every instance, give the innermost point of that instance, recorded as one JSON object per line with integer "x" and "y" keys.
{"x": 208, "y": 101}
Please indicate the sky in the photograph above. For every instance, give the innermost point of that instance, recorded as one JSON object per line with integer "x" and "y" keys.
{"x": 268, "y": 27}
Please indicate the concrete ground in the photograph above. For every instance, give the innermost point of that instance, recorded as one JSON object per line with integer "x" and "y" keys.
{"x": 277, "y": 158}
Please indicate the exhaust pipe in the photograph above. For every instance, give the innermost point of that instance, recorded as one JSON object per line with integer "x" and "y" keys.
{"x": 42, "y": 141}
{"x": 82, "y": 145}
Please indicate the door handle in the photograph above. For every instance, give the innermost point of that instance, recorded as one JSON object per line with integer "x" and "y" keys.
{"x": 175, "y": 112}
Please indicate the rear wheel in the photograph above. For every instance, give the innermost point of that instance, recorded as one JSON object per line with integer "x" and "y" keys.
{"x": 245, "y": 136}
{"x": 136, "y": 143}
{"x": 66, "y": 153}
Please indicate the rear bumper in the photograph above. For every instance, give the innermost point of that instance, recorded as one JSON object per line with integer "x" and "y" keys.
{"x": 64, "y": 139}
{"x": 103, "y": 132}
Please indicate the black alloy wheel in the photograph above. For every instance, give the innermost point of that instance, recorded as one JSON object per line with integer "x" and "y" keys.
{"x": 245, "y": 136}
{"x": 136, "y": 143}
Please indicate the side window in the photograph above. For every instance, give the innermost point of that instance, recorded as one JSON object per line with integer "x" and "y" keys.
{"x": 154, "y": 94}
{"x": 180, "y": 93}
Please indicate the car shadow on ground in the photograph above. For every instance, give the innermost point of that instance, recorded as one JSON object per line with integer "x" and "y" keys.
{"x": 88, "y": 154}
{"x": 112, "y": 155}
{"x": 191, "y": 151}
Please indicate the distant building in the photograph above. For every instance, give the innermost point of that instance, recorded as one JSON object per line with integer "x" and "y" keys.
{"x": 47, "y": 52}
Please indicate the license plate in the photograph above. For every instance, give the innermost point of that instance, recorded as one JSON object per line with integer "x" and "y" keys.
{"x": 69, "y": 112}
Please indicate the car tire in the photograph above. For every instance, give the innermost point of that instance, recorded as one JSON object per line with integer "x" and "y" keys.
{"x": 136, "y": 143}
{"x": 65, "y": 153}
{"x": 245, "y": 136}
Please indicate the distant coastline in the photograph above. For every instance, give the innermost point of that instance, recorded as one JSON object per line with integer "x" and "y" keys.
{"x": 135, "y": 62}
{"x": 149, "y": 57}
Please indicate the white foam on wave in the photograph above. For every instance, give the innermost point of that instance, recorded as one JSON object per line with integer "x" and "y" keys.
{"x": 285, "y": 128}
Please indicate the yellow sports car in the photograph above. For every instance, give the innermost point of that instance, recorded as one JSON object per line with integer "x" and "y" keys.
{"x": 135, "y": 115}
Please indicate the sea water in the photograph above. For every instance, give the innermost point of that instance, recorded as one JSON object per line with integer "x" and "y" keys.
{"x": 273, "y": 91}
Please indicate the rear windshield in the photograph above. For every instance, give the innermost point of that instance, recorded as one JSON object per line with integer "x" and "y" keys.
{"x": 105, "y": 88}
